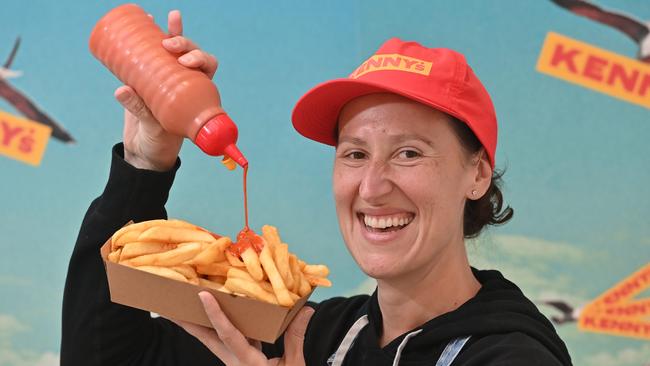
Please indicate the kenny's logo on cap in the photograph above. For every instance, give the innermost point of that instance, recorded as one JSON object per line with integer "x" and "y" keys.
{"x": 393, "y": 61}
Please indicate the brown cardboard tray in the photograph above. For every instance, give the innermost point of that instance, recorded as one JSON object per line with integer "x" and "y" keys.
{"x": 178, "y": 300}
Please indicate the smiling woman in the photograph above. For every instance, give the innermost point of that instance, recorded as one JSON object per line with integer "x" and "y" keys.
{"x": 413, "y": 177}
{"x": 415, "y": 135}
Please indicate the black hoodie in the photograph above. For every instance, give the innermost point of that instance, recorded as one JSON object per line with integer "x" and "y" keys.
{"x": 505, "y": 327}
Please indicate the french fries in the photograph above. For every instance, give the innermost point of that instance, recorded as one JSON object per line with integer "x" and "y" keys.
{"x": 181, "y": 251}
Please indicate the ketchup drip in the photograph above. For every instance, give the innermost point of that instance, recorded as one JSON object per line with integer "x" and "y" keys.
{"x": 246, "y": 198}
{"x": 246, "y": 238}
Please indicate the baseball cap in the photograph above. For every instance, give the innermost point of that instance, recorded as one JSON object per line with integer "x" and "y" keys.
{"x": 437, "y": 77}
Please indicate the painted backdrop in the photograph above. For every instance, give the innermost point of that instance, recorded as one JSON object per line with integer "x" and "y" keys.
{"x": 569, "y": 81}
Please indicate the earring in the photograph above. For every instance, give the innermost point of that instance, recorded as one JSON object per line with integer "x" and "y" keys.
{"x": 473, "y": 192}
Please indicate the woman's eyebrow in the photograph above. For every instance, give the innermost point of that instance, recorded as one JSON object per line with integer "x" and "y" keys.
{"x": 352, "y": 140}
{"x": 408, "y": 137}
{"x": 395, "y": 139}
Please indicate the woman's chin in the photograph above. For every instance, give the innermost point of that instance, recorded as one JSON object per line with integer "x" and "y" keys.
{"x": 378, "y": 269}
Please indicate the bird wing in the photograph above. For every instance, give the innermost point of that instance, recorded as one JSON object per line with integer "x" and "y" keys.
{"x": 559, "y": 305}
{"x": 10, "y": 59}
{"x": 31, "y": 111}
{"x": 632, "y": 27}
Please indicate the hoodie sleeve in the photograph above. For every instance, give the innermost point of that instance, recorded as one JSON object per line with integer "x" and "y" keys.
{"x": 96, "y": 331}
{"x": 512, "y": 349}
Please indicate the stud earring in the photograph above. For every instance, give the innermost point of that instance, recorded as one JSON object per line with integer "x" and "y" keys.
{"x": 473, "y": 192}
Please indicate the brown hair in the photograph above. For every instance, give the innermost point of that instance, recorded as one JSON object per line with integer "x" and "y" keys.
{"x": 487, "y": 210}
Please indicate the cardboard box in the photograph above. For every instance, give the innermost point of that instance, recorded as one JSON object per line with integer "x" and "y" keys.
{"x": 179, "y": 300}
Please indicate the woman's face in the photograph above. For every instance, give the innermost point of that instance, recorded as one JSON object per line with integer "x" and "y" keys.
{"x": 400, "y": 181}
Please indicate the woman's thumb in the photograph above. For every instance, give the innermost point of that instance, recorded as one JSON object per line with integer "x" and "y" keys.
{"x": 294, "y": 338}
{"x": 132, "y": 102}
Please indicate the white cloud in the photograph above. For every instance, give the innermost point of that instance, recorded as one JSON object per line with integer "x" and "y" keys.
{"x": 10, "y": 325}
{"x": 523, "y": 260}
{"x": 528, "y": 262}
{"x": 13, "y": 356}
{"x": 522, "y": 246}
{"x": 626, "y": 357}
{"x": 48, "y": 359}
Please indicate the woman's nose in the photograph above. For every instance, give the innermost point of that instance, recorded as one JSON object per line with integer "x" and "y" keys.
{"x": 375, "y": 183}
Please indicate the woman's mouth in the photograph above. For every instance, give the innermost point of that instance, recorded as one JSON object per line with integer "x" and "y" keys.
{"x": 385, "y": 223}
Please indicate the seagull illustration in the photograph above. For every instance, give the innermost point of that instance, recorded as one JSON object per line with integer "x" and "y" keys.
{"x": 638, "y": 30}
{"x": 23, "y": 104}
{"x": 568, "y": 313}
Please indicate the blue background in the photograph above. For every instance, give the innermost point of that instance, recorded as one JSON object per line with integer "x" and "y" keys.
{"x": 577, "y": 161}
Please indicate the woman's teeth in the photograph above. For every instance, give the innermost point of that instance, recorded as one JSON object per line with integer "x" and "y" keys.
{"x": 395, "y": 222}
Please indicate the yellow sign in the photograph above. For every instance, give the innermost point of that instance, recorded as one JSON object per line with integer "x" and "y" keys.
{"x": 631, "y": 309}
{"x": 616, "y": 312}
{"x": 595, "y": 68}
{"x": 23, "y": 139}
{"x": 623, "y": 291}
{"x": 627, "y": 327}
{"x": 392, "y": 61}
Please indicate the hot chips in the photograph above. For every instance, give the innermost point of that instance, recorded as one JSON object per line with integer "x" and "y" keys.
{"x": 184, "y": 252}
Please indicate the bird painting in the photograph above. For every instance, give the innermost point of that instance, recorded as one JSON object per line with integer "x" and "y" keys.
{"x": 636, "y": 29}
{"x": 568, "y": 313}
{"x": 23, "y": 104}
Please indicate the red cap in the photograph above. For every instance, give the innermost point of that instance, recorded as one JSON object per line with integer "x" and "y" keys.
{"x": 437, "y": 77}
{"x": 218, "y": 137}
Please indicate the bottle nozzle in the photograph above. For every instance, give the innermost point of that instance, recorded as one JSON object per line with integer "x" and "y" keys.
{"x": 218, "y": 137}
{"x": 233, "y": 152}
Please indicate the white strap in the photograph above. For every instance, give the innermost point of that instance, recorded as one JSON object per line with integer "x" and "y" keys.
{"x": 349, "y": 338}
{"x": 448, "y": 354}
{"x": 401, "y": 346}
{"x": 451, "y": 351}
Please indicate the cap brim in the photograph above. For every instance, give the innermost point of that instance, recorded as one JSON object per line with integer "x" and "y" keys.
{"x": 315, "y": 115}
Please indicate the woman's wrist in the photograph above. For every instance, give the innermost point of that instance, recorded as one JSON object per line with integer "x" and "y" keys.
{"x": 140, "y": 162}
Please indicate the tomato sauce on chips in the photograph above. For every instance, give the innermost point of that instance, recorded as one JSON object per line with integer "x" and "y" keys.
{"x": 246, "y": 238}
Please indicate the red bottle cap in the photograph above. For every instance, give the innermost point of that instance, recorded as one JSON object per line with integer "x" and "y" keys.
{"x": 218, "y": 137}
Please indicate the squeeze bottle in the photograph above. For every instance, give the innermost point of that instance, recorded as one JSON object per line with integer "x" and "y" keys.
{"x": 185, "y": 101}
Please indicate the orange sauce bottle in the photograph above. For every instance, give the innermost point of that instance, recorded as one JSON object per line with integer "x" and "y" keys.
{"x": 185, "y": 101}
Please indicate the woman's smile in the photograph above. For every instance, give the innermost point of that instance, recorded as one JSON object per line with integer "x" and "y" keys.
{"x": 381, "y": 227}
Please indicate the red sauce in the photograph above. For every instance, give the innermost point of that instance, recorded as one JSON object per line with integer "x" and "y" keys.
{"x": 245, "y": 199}
{"x": 246, "y": 238}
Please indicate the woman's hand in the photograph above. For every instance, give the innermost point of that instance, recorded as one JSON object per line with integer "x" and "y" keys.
{"x": 233, "y": 349}
{"x": 146, "y": 144}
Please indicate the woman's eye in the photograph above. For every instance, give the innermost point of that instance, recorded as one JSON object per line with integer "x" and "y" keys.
{"x": 409, "y": 154}
{"x": 356, "y": 155}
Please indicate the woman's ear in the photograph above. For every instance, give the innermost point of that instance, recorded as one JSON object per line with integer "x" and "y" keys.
{"x": 482, "y": 176}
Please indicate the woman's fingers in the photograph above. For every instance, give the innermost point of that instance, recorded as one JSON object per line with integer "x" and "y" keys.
{"x": 198, "y": 59}
{"x": 174, "y": 23}
{"x": 179, "y": 44}
{"x": 229, "y": 335}
{"x": 193, "y": 57}
{"x": 294, "y": 338}
{"x": 209, "y": 338}
{"x": 132, "y": 102}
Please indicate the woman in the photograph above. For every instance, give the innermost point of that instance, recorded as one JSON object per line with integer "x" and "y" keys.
{"x": 415, "y": 136}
